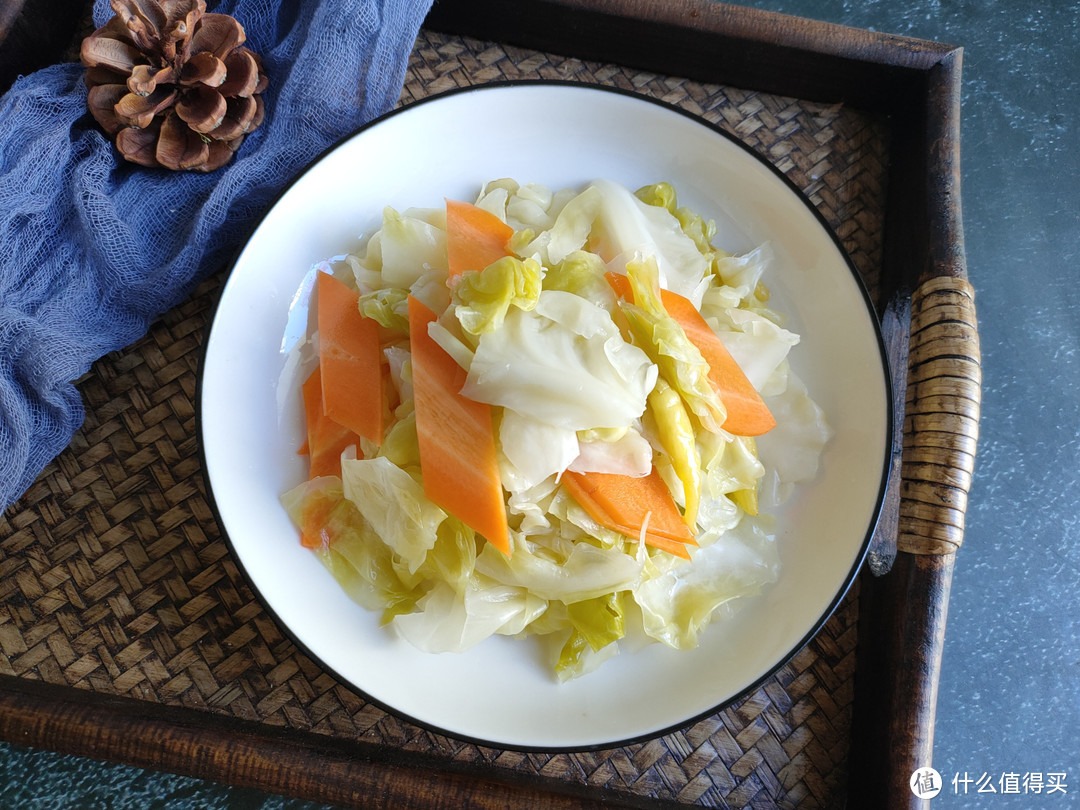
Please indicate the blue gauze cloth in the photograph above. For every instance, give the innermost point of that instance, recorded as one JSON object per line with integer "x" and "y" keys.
{"x": 93, "y": 248}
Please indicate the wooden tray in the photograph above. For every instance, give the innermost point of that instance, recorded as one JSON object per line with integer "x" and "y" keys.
{"x": 127, "y": 633}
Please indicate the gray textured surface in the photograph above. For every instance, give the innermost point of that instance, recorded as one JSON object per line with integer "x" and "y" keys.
{"x": 39, "y": 779}
{"x": 1010, "y": 690}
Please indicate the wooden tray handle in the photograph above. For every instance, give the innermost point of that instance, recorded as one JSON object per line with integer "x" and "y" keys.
{"x": 906, "y": 610}
{"x": 941, "y": 423}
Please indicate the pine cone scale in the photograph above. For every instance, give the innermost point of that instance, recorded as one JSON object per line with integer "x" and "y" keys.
{"x": 218, "y": 34}
{"x": 109, "y": 53}
{"x": 138, "y": 111}
{"x": 204, "y": 68}
{"x": 220, "y": 153}
{"x": 183, "y": 15}
{"x": 144, "y": 21}
{"x": 242, "y": 74}
{"x": 202, "y": 110}
{"x": 178, "y": 147}
{"x": 239, "y": 119}
{"x": 102, "y": 100}
{"x": 139, "y": 145}
{"x": 144, "y": 79}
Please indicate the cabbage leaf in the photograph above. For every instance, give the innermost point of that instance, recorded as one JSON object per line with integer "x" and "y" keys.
{"x": 791, "y": 452}
{"x": 534, "y": 449}
{"x": 569, "y": 231}
{"x": 351, "y": 550}
{"x": 581, "y": 273}
{"x": 632, "y": 229}
{"x": 564, "y": 363}
{"x": 393, "y": 502}
{"x": 410, "y": 247}
{"x": 564, "y": 570}
{"x": 677, "y": 604}
{"x": 483, "y": 298}
{"x": 452, "y": 620}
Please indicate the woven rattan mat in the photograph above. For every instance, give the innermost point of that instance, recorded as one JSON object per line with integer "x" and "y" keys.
{"x": 114, "y": 576}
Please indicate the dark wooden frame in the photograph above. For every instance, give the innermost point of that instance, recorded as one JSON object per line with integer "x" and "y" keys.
{"x": 913, "y": 82}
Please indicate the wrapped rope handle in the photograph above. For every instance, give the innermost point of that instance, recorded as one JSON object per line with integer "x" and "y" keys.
{"x": 941, "y": 425}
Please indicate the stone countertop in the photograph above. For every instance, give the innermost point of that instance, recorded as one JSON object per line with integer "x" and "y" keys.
{"x": 1009, "y": 697}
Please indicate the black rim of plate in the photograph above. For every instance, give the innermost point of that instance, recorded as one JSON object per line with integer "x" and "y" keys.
{"x": 678, "y": 724}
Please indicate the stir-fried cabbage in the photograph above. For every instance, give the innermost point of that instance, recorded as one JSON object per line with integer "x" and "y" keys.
{"x": 579, "y": 382}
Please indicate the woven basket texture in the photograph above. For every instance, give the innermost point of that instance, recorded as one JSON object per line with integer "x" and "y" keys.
{"x": 114, "y": 576}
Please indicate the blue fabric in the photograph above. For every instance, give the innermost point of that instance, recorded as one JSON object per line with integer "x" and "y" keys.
{"x": 93, "y": 249}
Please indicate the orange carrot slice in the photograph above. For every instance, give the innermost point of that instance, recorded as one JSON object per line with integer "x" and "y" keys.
{"x": 474, "y": 237}
{"x": 315, "y": 513}
{"x": 458, "y": 460}
{"x": 622, "y": 503}
{"x": 326, "y": 439}
{"x": 351, "y": 360}
{"x": 747, "y": 413}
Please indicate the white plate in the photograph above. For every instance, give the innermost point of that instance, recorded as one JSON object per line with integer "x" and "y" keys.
{"x": 557, "y": 135}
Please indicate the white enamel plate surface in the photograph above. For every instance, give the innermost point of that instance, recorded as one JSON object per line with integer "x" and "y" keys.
{"x": 557, "y": 135}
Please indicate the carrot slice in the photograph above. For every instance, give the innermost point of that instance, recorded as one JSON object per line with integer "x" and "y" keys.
{"x": 747, "y": 413}
{"x": 458, "y": 460}
{"x": 622, "y": 503}
{"x": 326, "y": 439}
{"x": 474, "y": 237}
{"x": 351, "y": 360}
{"x": 315, "y": 513}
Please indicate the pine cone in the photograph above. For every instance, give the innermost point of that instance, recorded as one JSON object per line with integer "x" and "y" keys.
{"x": 172, "y": 85}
